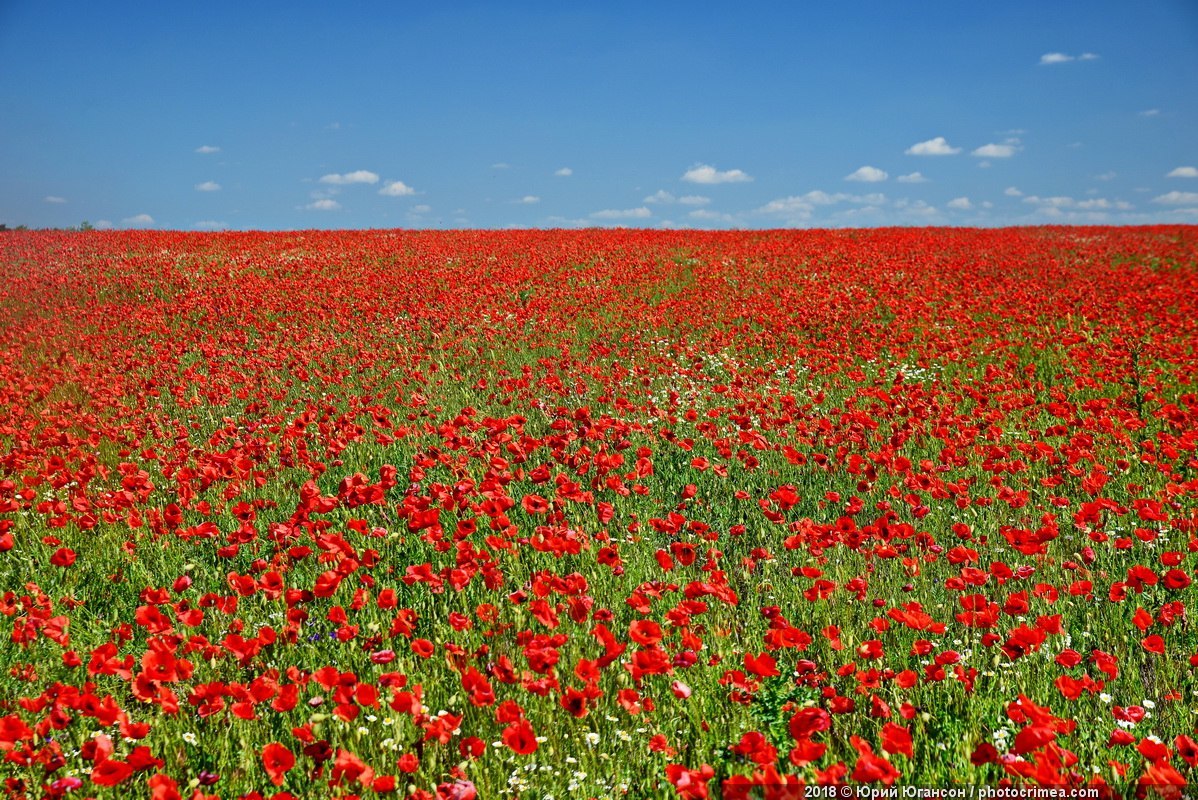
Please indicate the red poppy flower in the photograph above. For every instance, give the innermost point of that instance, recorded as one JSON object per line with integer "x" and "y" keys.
{"x": 690, "y": 784}
{"x": 534, "y": 504}
{"x": 1187, "y": 748}
{"x": 807, "y": 722}
{"x": 870, "y": 767}
{"x": 896, "y": 740}
{"x": 519, "y": 736}
{"x": 277, "y": 760}
{"x": 63, "y": 557}
{"x": 110, "y": 772}
{"x": 471, "y": 747}
{"x": 763, "y": 665}
{"x": 645, "y": 632}
{"x": 163, "y": 787}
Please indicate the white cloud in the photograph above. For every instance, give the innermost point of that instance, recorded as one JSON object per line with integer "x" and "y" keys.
{"x": 1059, "y": 201}
{"x": 138, "y": 219}
{"x": 961, "y": 203}
{"x": 210, "y": 225}
{"x": 1176, "y": 198}
{"x": 325, "y": 204}
{"x": 818, "y": 197}
{"x": 992, "y": 150}
{"x": 1106, "y": 176}
{"x": 53, "y": 198}
{"x": 1179, "y": 172}
{"x": 396, "y": 189}
{"x": 800, "y": 207}
{"x": 564, "y": 172}
{"x": 1098, "y": 211}
{"x": 915, "y": 208}
{"x": 1103, "y": 203}
{"x": 664, "y": 197}
{"x": 421, "y": 209}
{"x": 627, "y": 213}
{"x": 914, "y": 177}
{"x": 708, "y": 215}
{"x": 868, "y": 174}
{"x": 1150, "y": 112}
{"x": 1011, "y": 191}
{"x": 103, "y": 224}
{"x": 501, "y": 165}
{"x": 1053, "y": 206}
{"x": 358, "y": 176}
{"x": 1055, "y": 213}
{"x": 933, "y": 147}
{"x": 567, "y": 222}
{"x": 208, "y": 186}
{"x": 530, "y": 199}
{"x": 207, "y": 148}
{"x": 1063, "y": 58}
{"x": 704, "y": 173}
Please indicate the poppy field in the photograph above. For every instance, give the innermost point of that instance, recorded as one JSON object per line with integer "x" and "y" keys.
{"x": 581, "y": 514}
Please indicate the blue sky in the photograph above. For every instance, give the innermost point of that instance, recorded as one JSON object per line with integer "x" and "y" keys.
{"x": 488, "y": 115}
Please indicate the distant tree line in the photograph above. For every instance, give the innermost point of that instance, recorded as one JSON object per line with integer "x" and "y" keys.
{"x": 82, "y": 226}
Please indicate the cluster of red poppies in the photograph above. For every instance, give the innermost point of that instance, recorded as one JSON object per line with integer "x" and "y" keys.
{"x": 639, "y": 512}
